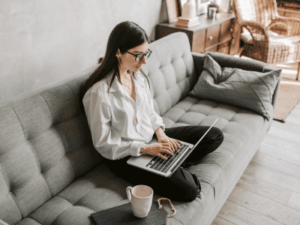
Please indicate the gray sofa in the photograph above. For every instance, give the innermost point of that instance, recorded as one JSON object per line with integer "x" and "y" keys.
{"x": 51, "y": 174}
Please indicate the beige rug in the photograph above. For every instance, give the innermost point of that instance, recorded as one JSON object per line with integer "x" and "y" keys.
{"x": 288, "y": 98}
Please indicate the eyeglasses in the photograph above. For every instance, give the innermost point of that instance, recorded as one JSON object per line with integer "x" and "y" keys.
{"x": 139, "y": 57}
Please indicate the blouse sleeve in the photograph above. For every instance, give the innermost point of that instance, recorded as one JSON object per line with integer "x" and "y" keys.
{"x": 106, "y": 139}
{"x": 156, "y": 120}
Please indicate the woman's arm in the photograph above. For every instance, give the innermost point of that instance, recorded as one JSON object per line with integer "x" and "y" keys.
{"x": 107, "y": 140}
{"x": 159, "y": 131}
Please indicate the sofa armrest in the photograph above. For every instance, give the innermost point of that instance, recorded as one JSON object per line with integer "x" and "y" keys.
{"x": 235, "y": 62}
{"x": 228, "y": 61}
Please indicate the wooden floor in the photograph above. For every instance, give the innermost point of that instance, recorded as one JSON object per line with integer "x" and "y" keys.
{"x": 268, "y": 192}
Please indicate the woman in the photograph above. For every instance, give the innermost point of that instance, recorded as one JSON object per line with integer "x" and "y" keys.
{"x": 118, "y": 105}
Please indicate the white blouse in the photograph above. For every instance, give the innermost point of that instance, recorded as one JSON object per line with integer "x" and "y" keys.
{"x": 111, "y": 114}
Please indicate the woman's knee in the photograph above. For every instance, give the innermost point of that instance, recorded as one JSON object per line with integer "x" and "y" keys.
{"x": 180, "y": 189}
{"x": 215, "y": 135}
{"x": 218, "y": 134}
{"x": 189, "y": 194}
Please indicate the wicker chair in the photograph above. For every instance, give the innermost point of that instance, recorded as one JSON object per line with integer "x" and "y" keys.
{"x": 263, "y": 38}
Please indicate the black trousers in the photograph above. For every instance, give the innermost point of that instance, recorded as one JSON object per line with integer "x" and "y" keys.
{"x": 175, "y": 187}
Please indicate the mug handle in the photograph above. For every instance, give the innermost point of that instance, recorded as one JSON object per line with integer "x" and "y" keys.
{"x": 128, "y": 191}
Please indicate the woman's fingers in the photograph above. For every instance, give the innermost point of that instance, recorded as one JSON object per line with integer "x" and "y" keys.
{"x": 174, "y": 145}
{"x": 168, "y": 152}
{"x": 167, "y": 145}
{"x": 163, "y": 157}
{"x": 177, "y": 144}
{"x": 165, "y": 151}
{"x": 170, "y": 149}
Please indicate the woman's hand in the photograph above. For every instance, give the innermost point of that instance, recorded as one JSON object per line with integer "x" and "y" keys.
{"x": 174, "y": 144}
{"x": 163, "y": 138}
{"x": 157, "y": 149}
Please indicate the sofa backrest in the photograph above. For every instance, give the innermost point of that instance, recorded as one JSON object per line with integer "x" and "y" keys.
{"x": 45, "y": 144}
{"x": 170, "y": 70}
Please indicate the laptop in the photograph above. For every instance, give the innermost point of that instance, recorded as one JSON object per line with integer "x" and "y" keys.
{"x": 167, "y": 167}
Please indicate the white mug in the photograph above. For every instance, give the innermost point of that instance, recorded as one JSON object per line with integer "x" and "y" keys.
{"x": 141, "y": 197}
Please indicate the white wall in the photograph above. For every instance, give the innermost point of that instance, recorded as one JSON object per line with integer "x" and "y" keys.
{"x": 43, "y": 41}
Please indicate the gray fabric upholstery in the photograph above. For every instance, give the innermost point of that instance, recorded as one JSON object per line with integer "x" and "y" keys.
{"x": 170, "y": 71}
{"x": 233, "y": 62}
{"x": 28, "y": 221}
{"x": 243, "y": 130}
{"x": 45, "y": 145}
{"x": 248, "y": 89}
{"x": 97, "y": 190}
{"x": 228, "y": 61}
{"x": 275, "y": 95}
{"x": 51, "y": 174}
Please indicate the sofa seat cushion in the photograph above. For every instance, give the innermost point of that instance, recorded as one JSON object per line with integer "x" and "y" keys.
{"x": 97, "y": 190}
{"x": 237, "y": 124}
{"x": 195, "y": 111}
{"x": 243, "y": 130}
{"x": 28, "y": 221}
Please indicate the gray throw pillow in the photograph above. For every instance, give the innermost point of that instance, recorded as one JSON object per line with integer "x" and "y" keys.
{"x": 248, "y": 89}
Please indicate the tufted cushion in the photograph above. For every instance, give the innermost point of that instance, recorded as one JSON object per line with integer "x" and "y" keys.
{"x": 170, "y": 70}
{"x": 243, "y": 129}
{"x": 100, "y": 189}
{"x": 45, "y": 145}
{"x": 97, "y": 190}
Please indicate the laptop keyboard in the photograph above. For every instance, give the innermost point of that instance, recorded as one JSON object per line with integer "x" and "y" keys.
{"x": 161, "y": 165}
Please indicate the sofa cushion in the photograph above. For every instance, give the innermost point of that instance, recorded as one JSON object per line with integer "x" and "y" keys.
{"x": 170, "y": 70}
{"x": 243, "y": 130}
{"x": 248, "y": 89}
{"x": 28, "y": 221}
{"x": 45, "y": 145}
{"x": 97, "y": 190}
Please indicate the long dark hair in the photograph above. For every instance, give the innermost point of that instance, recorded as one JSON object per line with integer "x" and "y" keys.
{"x": 124, "y": 36}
